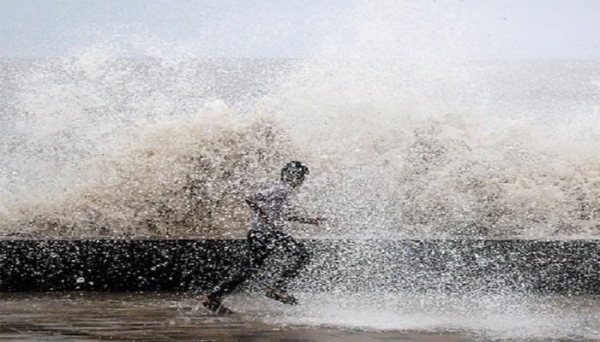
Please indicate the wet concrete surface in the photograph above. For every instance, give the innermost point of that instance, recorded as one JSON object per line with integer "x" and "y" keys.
{"x": 157, "y": 317}
{"x": 174, "y": 317}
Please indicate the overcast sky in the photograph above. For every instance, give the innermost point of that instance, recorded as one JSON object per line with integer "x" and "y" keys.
{"x": 472, "y": 29}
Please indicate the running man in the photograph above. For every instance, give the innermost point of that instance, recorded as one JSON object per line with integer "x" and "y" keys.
{"x": 265, "y": 236}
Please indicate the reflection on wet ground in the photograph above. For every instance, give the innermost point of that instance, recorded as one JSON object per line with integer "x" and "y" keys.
{"x": 155, "y": 317}
{"x": 173, "y": 317}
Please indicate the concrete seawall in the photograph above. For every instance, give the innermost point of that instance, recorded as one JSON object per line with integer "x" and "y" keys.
{"x": 571, "y": 267}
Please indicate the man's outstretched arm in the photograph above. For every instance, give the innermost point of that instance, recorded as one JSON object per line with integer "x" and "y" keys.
{"x": 305, "y": 220}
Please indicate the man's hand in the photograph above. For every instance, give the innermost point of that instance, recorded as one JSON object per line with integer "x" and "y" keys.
{"x": 316, "y": 221}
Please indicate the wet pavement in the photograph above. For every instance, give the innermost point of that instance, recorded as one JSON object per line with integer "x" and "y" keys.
{"x": 174, "y": 317}
{"x": 156, "y": 317}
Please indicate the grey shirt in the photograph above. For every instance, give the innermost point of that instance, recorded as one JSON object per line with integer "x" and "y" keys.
{"x": 275, "y": 203}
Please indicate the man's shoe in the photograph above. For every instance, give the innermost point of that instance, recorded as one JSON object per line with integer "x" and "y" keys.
{"x": 281, "y": 296}
{"x": 214, "y": 305}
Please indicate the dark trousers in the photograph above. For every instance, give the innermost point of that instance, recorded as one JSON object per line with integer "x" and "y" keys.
{"x": 262, "y": 244}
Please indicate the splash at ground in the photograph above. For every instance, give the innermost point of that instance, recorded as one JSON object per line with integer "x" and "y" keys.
{"x": 518, "y": 317}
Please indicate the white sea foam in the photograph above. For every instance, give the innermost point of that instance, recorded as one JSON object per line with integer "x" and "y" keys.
{"x": 413, "y": 142}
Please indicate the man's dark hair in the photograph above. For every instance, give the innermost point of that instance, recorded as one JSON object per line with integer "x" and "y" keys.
{"x": 294, "y": 168}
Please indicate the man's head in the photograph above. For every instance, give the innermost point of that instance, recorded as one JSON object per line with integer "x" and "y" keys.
{"x": 293, "y": 173}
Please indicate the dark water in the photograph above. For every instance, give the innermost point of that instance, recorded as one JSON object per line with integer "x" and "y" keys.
{"x": 330, "y": 317}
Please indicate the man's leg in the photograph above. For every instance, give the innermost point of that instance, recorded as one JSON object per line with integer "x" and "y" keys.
{"x": 258, "y": 250}
{"x": 299, "y": 258}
